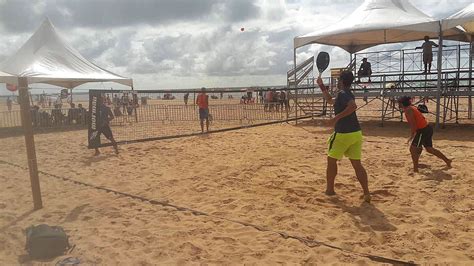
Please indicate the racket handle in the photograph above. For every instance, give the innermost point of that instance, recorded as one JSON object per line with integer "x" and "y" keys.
{"x": 319, "y": 76}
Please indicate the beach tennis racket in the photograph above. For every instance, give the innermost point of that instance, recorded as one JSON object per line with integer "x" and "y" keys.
{"x": 322, "y": 62}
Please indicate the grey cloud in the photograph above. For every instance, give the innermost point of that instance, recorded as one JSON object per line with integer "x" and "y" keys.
{"x": 17, "y": 16}
{"x": 113, "y": 13}
{"x": 96, "y": 45}
{"x": 118, "y": 13}
{"x": 238, "y": 10}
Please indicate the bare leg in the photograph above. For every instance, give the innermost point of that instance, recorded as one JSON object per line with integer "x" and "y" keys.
{"x": 331, "y": 172}
{"x": 415, "y": 156}
{"x": 114, "y": 143}
{"x": 202, "y": 125}
{"x": 115, "y": 146}
{"x": 97, "y": 152}
{"x": 429, "y": 68}
{"x": 207, "y": 124}
{"x": 440, "y": 155}
{"x": 362, "y": 177}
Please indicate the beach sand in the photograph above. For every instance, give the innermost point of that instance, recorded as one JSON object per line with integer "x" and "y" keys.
{"x": 271, "y": 177}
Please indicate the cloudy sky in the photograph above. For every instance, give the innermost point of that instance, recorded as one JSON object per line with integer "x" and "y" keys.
{"x": 188, "y": 43}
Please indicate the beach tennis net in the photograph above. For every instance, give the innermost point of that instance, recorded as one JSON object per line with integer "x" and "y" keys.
{"x": 153, "y": 115}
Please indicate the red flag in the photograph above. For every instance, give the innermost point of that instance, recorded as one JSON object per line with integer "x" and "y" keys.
{"x": 11, "y": 87}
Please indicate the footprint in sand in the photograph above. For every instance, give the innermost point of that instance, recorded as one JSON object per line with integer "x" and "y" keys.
{"x": 227, "y": 201}
{"x": 248, "y": 208}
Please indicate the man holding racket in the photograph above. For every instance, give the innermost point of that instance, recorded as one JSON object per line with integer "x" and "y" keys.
{"x": 347, "y": 137}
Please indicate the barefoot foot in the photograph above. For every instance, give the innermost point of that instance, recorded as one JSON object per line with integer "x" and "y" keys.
{"x": 448, "y": 163}
{"x": 330, "y": 193}
{"x": 367, "y": 198}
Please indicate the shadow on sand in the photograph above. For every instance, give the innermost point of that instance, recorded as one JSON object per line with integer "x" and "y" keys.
{"x": 438, "y": 175}
{"x": 392, "y": 129}
{"x": 366, "y": 215}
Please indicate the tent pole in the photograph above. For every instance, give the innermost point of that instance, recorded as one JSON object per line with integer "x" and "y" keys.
{"x": 440, "y": 60}
{"x": 296, "y": 85}
{"x": 469, "y": 107}
{"x": 29, "y": 141}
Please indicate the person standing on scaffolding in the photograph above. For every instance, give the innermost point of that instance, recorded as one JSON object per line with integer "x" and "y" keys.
{"x": 365, "y": 70}
{"x": 427, "y": 47}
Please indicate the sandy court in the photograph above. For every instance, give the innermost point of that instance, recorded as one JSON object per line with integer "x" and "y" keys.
{"x": 272, "y": 177}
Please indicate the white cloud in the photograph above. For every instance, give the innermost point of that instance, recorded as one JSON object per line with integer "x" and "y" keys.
{"x": 179, "y": 43}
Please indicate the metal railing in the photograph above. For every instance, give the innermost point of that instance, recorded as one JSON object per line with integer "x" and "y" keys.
{"x": 46, "y": 118}
{"x": 455, "y": 57}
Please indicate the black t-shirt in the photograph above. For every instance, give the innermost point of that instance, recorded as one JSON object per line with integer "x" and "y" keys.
{"x": 349, "y": 123}
{"x": 105, "y": 114}
{"x": 365, "y": 66}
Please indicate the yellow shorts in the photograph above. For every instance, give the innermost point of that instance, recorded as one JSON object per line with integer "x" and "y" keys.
{"x": 348, "y": 144}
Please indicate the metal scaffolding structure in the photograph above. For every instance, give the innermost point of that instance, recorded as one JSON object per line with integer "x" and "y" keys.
{"x": 397, "y": 73}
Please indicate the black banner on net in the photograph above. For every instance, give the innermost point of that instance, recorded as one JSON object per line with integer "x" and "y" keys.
{"x": 94, "y": 105}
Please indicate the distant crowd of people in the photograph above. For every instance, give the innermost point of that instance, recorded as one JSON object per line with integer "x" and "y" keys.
{"x": 41, "y": 117}
{"x": 122, "y": 105}
{"x": 274, "y": 100}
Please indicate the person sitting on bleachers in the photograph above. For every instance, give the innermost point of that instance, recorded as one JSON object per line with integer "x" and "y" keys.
{"x": 365, "y": 70}
{"x": 72, "y": 114}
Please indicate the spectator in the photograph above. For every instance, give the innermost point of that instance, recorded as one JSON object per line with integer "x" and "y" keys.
{"x": 186, "y": 98}
{"x": 72, "y": 114}
{"x": 81, "y": 115}
{"x": 268, "y": 100}
{"x": 203, "y": 102}
{"x": 57, "y": 115}
{"x": 35, "y": 115}
{"x": 283, "y": 101}
{"x": 276, "y": 100}
{"x": 365, "y": 70}
{"x": 9, "y": 104}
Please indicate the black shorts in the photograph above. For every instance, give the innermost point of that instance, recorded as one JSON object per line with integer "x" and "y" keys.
{"x": 423, "y": 137}
{"x": 105, "y": 129}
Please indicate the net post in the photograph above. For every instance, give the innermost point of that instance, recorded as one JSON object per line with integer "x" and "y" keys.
{"x": 439, "y": 68}
{"x": 30, "y": 142}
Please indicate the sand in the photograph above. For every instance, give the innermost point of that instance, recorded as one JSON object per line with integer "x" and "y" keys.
{"x": 272, "y": 177}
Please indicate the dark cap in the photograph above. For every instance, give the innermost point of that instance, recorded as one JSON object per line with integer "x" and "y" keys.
{"x": 405, "y": 100}
{"x": 364, "y": 59}
{"x": 346, "y": 77}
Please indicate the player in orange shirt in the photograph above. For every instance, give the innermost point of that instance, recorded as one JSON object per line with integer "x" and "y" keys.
{"x": 421, "y": 133}
{"x": 203, "y": 102}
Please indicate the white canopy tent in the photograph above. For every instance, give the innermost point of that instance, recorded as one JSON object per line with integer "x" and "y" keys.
{"x": 47, "y": 58}
{"x": 463, "y": 18}
{"x": 385, "y": 21}
{"x": 377, "y": 22}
